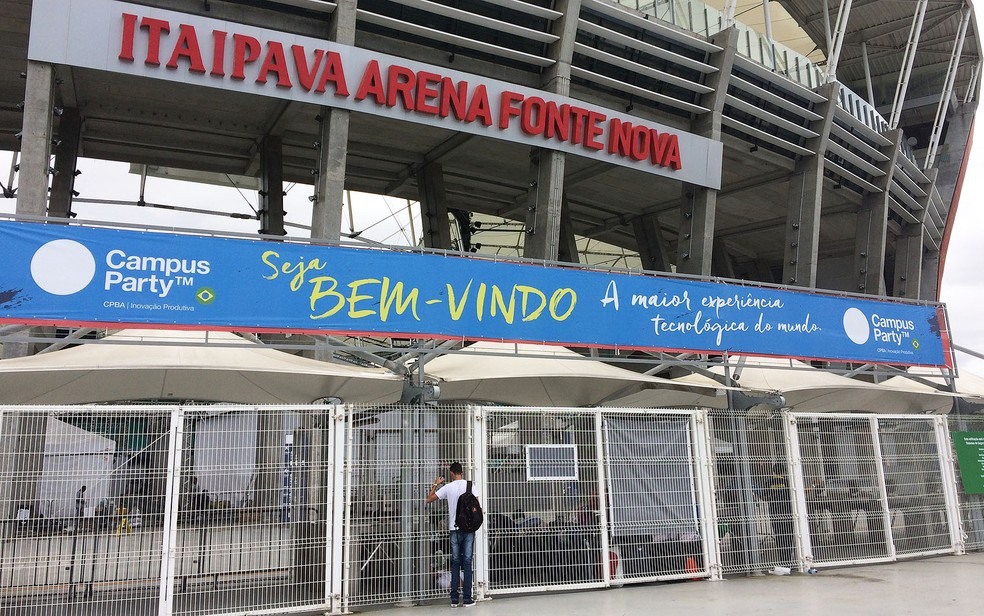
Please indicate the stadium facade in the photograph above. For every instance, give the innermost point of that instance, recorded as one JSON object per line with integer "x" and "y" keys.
{"x": 669, "y": 130}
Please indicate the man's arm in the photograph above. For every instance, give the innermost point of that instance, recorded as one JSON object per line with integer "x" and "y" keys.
{"x": 432, "y": 495}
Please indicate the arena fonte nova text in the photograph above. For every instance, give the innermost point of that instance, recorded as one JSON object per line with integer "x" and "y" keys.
{"x": 240, "y": 57}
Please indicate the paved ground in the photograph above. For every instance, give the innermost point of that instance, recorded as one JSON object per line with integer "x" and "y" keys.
{"x": 943, "y": 585}
{"x": 924, "y": 587}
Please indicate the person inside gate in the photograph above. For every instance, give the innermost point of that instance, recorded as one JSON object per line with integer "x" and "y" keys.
{"x": 80, "y": 502}
{"x": 462, "y": 543}
{"x": 587, "y": 513}
{"x": 779, "y": 500}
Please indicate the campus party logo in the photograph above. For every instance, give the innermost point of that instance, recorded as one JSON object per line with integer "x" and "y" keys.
{"x": 886, "y": 330}
{"x": 65, "y": 267}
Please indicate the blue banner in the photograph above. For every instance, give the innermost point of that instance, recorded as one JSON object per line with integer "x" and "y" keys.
{"x": 61, "y": 274}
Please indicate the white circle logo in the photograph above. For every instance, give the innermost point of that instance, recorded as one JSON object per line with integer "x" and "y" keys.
{"x": 856, "y": 326}
{"x": 63, "y": 267}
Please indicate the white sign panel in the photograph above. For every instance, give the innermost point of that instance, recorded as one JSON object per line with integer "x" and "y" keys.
{"x": 160, "y": 44}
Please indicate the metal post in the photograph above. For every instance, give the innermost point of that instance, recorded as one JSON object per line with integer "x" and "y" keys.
{"x": 828, "y": 37}
{"x": 949, "y": 480}
{"x": 170, "y": 522}
{"x": 882, "y": 492}
{"x": 705, "y": 487}
{"x": 840, "y": 32}
{"x": 604, "y": 556}
{"x": 335, "y": 529}
{"x": 480, "y": 568}
{"x": 801, "y": 522}
{"x": 968, "y": 95}
{"x": 910, "y": 57}
{"x": 767, "y": 15}
{"x": 944, "y": 104}
{"x": 867, "y": 72}
{"x": 349, "y": 438}
{"x": 729, "y": 13}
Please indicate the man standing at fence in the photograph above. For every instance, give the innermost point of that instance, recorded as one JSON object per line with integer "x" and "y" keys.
{"x": 462, "y": 543}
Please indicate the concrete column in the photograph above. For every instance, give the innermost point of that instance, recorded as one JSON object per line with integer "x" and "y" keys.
{"x": 434, "y": 221}
{"x": 66, "y": 161}
{"x": 872, "y": 228}
{"x": 544, "y": 205}
{"x": 695, "y": 242}
{"x": 650, "y": 243}
{"x": 929, "y": 278}
{"x": 913, "y": 264}
{"x": 567, "y": 249}
{"x": 39, "y": 94}
{"x": 805, "y": 200}
{"x": 326, "y": 216}
{"x": 272, "y": 186}
{"x": 908, "y": 262}
{"x": 546, "y": 185}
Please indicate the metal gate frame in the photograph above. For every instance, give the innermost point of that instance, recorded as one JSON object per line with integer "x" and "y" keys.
{"x": 701, "y": 462}
{"x": 334, "y": 429}
{"x": 945, "y": 466}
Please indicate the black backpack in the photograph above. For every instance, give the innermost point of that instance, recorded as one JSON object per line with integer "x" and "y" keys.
{"x": 468, "y": 517}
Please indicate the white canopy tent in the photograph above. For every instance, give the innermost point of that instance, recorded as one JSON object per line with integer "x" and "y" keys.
{"x": 138, "y": 364}
{"x": 969, "y": 388}
{"x": 74, "y": 457}
{"x": 809, "y": 389}
{"x": 539, "y": 375}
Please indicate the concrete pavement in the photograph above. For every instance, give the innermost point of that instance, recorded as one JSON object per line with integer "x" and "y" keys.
{"x": 941, "y": 585}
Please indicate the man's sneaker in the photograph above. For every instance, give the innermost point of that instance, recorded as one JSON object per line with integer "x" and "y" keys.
{"x": 454, "y": 605}
{"x": 469, "y": 604}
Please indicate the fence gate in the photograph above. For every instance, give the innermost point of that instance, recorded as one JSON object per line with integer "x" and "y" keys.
{"x": 195, "y": 510}
{"x": 158, "y": 510}
{"x": 69, "y": 545}
{"x": 396, "y": 547}
{"x": 581, "y": 498}
{"x": 873, "y": 488}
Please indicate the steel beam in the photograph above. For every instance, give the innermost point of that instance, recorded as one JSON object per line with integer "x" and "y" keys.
{"x": 910, "y": 57}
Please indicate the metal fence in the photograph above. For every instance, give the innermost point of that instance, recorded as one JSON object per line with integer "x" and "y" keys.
{"x": 971, "y": 505}
{"x": 220, "y": 509}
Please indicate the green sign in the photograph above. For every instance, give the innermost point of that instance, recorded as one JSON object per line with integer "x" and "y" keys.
{"x": 970, "y": 454}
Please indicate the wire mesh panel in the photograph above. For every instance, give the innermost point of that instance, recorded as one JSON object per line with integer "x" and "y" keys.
{"x": 844, "y": 501}
{"x": 914, "y": 485}
{"x": 83, "y": 502}
{"x": 652, "y": 495}
{"x": 397, "y": 547}
{"x": 544, "y": 517}
{"x": 874, "y": 487}
{"x": 772, "y": 504}
{"x": 253, "y": 509}
{"x": 971, "y": 503}
{"x": 745, "y": 453}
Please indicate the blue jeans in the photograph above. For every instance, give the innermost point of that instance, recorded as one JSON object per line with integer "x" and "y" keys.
{"x": 462, "y": 546}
